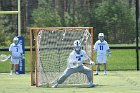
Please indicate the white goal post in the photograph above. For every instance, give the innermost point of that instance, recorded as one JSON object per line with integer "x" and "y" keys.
{"x": 49, "y": 50}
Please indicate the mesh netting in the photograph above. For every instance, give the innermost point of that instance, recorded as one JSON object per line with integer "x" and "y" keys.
{"x": 53, "y": 49}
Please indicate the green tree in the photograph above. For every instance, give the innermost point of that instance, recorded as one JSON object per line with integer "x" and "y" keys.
{"x": 8, "y": 23}
{"x": 117, "y": 20}
{"x": 5, "y": 36}
{"x": 45, "y": 18}
{"x": 45, "y": 15}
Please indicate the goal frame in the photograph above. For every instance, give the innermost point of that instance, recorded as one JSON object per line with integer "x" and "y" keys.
{"x": 35, "y": 31}
{"x": 18, "y": 12}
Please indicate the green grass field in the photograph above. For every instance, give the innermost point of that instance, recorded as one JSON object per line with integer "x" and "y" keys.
{"x": 122, "y": 77}
{"x": 123, "y": 59}
{"x": 114, "y": 82}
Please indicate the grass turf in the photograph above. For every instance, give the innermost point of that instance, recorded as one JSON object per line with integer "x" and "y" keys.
{"x": 123, "y": 59}
{"x": 114, "y": 82}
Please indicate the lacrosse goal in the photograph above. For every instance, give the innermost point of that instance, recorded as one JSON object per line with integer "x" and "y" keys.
{"x": 49, "y": 50}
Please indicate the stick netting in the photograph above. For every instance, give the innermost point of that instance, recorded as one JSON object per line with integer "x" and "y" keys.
{"x": 53, "y": 48}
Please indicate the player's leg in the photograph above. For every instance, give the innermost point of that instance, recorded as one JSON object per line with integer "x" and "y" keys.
{"x": 98, "y": 62}
{"x": 16, "y": 69}
{"x": 12, "y": 67}
{"x": 105, "y": 69}
{"x": 104, "y": 62}
{"x": 64, "y": 76}
{"x": 88, "y": 72}
{"x": 15, "y": 62}
{"x": 97, "y": 68}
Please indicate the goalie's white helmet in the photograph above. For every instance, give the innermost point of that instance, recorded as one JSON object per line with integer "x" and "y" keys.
{"x": 101, "y": 36}
{"x": 77, "y": 46}
{"x": 15, "y": 40}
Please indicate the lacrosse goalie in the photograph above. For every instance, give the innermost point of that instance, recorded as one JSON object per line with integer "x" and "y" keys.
{"x": 75, "y": 64}
{"x": 16, "y": 53}
{"x": 101, "y": 46}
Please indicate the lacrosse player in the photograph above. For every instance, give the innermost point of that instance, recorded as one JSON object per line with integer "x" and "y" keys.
{"x": 16, "y": 54}
{"x": 101, "y": 46}
{"x": 75, "y": 64}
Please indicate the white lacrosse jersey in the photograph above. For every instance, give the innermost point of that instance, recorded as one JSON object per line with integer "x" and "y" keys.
{"x": 78, "y": 58}
{"x": 16, "y": 51}
{"x": 101, "y": 47}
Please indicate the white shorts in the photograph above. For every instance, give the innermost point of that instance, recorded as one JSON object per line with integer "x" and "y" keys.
{"x": 15, "y": 61}
{"x": 101, "y": 59}
{"x": 16, "y": 55}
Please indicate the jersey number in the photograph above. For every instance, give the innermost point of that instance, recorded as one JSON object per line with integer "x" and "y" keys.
{"x": 79, "y": 59}
{"x": 17, "y": 49}
{"x": 101, "y": 47}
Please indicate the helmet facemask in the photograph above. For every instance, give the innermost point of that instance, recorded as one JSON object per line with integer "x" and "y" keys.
{"x": 15, "y": 41}
{"x": 101, "y": 37}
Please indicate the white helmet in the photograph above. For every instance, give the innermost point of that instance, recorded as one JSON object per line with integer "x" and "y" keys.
{"x": 77, "y": 46}
{"x": 77, "y": 43}
{"x": 15, "y": 40}
{"x": 101, "y": 36}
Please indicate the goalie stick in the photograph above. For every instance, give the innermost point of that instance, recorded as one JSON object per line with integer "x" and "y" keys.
{"x": 88, "y": 63}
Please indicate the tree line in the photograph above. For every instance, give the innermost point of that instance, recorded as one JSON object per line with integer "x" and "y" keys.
{"x": 115, "y": 18}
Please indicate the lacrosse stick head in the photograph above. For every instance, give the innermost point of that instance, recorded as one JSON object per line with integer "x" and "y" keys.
{"x": 4, "y": 57}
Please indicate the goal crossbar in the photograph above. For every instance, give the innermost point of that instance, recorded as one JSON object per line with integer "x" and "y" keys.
{"x": 61, "y": 28}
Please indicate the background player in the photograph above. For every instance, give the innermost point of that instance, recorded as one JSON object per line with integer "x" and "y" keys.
{"x": 101, "y": 46}
{"x": 75, "y": 64}
{"x": 16, "y": 54}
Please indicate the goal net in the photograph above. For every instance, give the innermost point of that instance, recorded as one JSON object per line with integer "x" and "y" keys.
{"x": 49, "y": 51}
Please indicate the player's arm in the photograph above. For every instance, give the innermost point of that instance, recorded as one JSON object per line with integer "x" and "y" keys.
{"x": 109, "y": 52}
{"x": 95, "y": 47}
{"x": 108, "y": 49}
{"x": 71, "y": 62}
{"x": 10, "y": 51}
{"x": 10, "y": 54}
{"x": 87, "y": 60}
{"x": 21, "y": 51}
